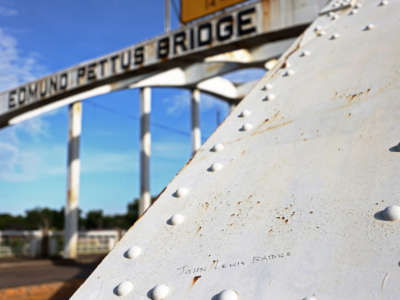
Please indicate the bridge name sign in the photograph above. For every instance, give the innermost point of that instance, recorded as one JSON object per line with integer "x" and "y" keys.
{"x": 245, "y": 26}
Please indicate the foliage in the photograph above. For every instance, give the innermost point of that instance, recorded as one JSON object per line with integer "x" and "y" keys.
{"x": 50, "y": 219}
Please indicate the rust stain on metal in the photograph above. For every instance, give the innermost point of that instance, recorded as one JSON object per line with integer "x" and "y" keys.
{"x": 266, "y": 11}
{"x": 283, "y": 61}
{"x": 272, "y": 127}
{"x": 195, "y": 278}
{"x": 350, "y": 98}
{"x": 72, "y": 196}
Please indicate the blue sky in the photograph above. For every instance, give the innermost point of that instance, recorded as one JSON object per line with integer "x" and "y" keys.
{"x": 42, "y": 36}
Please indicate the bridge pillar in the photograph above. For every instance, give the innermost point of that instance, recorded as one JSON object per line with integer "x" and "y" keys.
{"x": 145, "y": 149}
{"x": 195, "y": 119}
{"x": 73, "y": 164}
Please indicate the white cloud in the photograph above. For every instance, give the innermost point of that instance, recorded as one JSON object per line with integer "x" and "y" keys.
{"x": 181, "y": 103}
{"x": 17, "y": 165}
{"x": 14, "y": 68}
{"x": 7, "y": 12}
{"x": 19, "y": 160}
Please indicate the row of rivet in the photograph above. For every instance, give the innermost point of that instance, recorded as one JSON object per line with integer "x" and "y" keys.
{"x": 390, "y": 213}
{"x": 161, "y": 291}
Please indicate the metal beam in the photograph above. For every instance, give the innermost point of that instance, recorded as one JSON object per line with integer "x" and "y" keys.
{"x": 256, "y": 23}
{"x": 190, "y": 75}
{"x": 145, "y": 149}
{"x": 195, "y": 120}
{"x": 71, "y": 207}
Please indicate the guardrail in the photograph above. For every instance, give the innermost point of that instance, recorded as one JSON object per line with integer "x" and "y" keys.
{"x": 33, "y": 243}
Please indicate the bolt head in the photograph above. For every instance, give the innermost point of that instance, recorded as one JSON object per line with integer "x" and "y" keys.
{"x": 176, "y": 219}
{"x": 217, "y": 148}
{"x": 244, "y": 114}
{"x": 133, "y": 252}
{"x": 215, "y": 167}
{"x": 267, "y": 87}
{"x": 228, "y": 295}
{"x": 288, "y": 73}
{"x": 246, "y": 127}
{"x": 334, "y": 36}
{"x": 160, "y": 292}
{"x": 269, "y": 97}
{"x": 124, "y": 288}
{"x": 353, "y": 12}
{"x": 305, "y": 53}
{"x": 181, "y": 192}
{"x": 317, "y": 28}
{"x": 369, "y": 27}
{"x": 392, "y": 213}
{"x": 383, "y": 3}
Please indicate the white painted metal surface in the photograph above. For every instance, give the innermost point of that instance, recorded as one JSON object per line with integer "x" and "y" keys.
{"x": 299, "y": 209}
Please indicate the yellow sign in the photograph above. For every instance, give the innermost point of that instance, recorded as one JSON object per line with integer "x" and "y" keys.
{"x": 193, "y": 9}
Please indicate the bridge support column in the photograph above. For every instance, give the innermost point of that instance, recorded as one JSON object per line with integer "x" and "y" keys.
{"x": 73, "y": 164}
{"x": 145, "y": 149}
{"x": 195, "y": 119}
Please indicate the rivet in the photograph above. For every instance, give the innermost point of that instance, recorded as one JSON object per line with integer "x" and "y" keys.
{"x": 369, "y": 27}
{"x": 160, "y": 292}
{"x": 133, "y": 252}
{"x": 269, "y": 97}
{"x": 319, "y": 31}
{"x": 246, "y": 127}
{"x": 176, "y": 219}
{"x": 392, "y": 213}
{"x": 181, "y": 192}
{"x": 124, "y": 288}
{"x": 217, "y": 148}
{"x": 288, "y": 73}
{"x": 333, "y": 16}
{"x": 383, "y": 3}
{"x": 317, "y": 28}
{"x": 334, "y": 36}
{"x": 267, "y": 87}
{"x": 244, "y": 114}
{"x": 353, "y": 12}
{"x": 215, "y": 167}
{"x": 310, "y": 298}
{"x": 305, "y": 53}
{"x": 228, "y": 295}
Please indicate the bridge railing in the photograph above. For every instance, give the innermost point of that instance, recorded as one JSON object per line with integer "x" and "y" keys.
{"x": 33, "y": 243}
